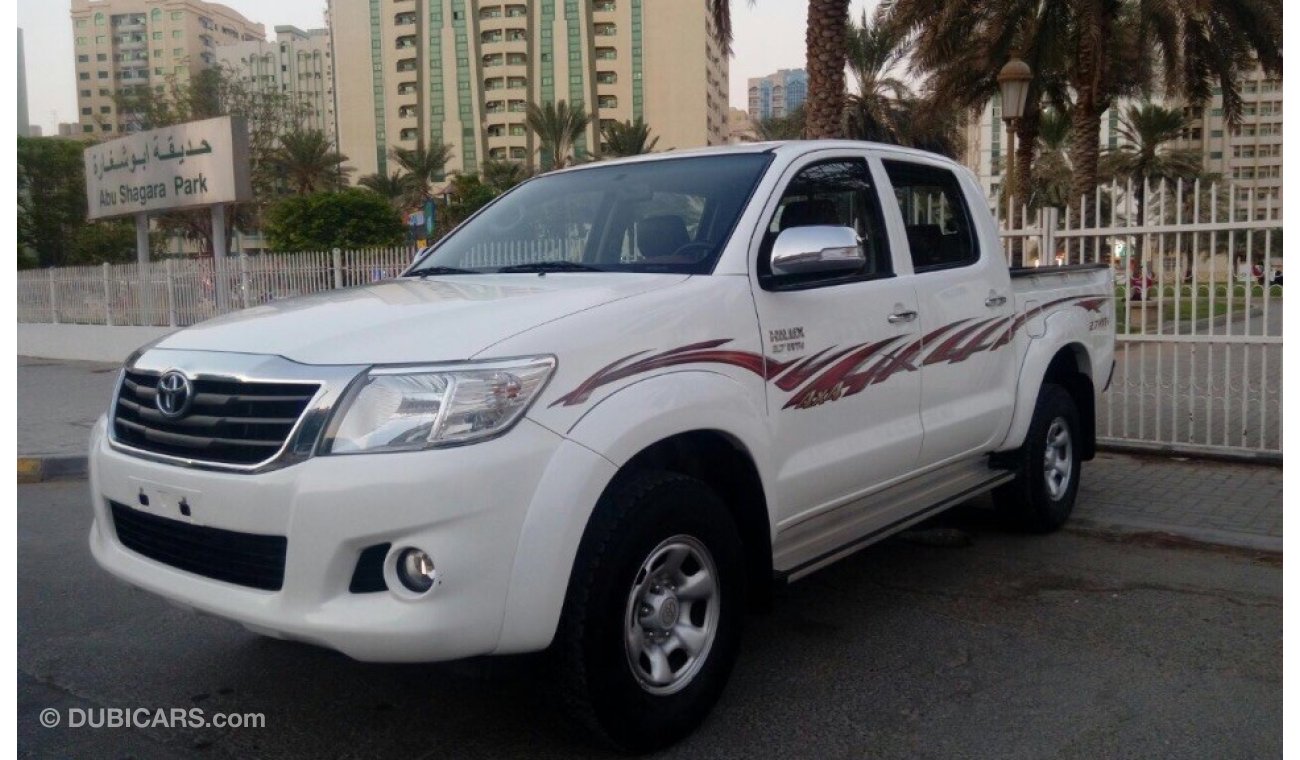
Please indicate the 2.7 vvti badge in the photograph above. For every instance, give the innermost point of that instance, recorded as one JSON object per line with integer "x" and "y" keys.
{"x": 606, "y": 414}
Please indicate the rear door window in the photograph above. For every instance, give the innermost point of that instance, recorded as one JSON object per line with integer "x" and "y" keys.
{"x": 935, "y": 217}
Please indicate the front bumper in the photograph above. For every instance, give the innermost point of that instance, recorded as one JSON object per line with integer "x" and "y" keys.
{"x": 464, "y": 506}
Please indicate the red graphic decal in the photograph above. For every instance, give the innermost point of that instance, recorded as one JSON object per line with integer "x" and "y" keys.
{"x": 841, "y": 379}
{"x": 830, "y": 375}
{"x": 695, "y": 353}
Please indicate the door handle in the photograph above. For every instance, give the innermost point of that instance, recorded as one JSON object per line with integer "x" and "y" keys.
{"x": 902, "y": 316}
{"x": 995, "y": 301}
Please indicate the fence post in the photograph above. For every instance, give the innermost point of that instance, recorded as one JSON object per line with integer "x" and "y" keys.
{"x": 54, "y": 298}
{"x": 171, "y": 293}
{"x": 243, "y": 277}
{"x": 338, "y": 268}
{"x": 1047, "y": 216}
{"x": 108, "y": 300}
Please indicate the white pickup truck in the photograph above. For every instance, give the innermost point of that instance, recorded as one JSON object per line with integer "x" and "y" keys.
{"x": 604, "y": 415}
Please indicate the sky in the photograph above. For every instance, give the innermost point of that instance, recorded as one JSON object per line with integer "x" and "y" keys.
{"x": 769, "y": 36}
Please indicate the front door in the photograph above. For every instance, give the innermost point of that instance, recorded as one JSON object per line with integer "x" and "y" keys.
{"x": 843, "y": 405}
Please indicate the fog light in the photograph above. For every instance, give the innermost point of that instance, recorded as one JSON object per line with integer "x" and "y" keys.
{"x": 415, "y": 570}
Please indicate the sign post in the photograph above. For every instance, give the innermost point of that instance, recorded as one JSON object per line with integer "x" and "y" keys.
{"x": 200, "y": 164}
{"x": 142, "y": 259}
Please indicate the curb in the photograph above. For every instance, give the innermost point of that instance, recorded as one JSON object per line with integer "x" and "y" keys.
{"x": 1207, "y": 537}
{"x": 38, "y": 469}
{"x": 1183, "y": 452}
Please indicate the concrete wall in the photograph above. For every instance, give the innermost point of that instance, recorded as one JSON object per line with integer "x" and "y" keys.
{"x": 84, "y": 342}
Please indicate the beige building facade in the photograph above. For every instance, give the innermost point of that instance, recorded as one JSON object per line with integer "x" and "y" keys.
{"x": 298, "y": 63}
{"x": 121, "y": 44}
{"x": 463, "y": 72}
{"x": 1248, "y": 156}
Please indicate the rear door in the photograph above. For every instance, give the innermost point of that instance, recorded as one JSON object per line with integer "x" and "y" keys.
{"x": 844, "y": 418}
{"x": 967, "y": 370}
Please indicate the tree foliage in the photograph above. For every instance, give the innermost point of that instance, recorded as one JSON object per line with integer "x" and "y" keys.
{"x": 423, "y": 166}
{"x": 52, "y": 225}
{"x": 306, "y": 161}
{"x": 351, "y": 218}
{"x": 884, "y": 108}
{"x": 557, "y": 127}
{"x": 395, "y": 187}
{"x": 628, "y": 138}
{"x": 219, "y": 91}
{"x": 788, "y": 127}
{"x": 1085, "y": 54}
{"x": 503, "y": 175}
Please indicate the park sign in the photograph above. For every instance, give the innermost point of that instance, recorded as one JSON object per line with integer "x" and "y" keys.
{"x": 200, "y": 163}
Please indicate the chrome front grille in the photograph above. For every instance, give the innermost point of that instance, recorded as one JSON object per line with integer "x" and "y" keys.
{"x": 231, "y": 421}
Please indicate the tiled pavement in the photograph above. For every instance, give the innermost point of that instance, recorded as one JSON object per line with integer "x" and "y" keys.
{"x": 1209, "y": 501}
{"x": 1217, "y": 502}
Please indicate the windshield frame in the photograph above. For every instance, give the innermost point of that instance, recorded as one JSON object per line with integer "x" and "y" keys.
{"x": 423, "y": 256}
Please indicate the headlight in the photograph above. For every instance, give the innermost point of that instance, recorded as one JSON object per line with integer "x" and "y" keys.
{"x": 409, "y": 408}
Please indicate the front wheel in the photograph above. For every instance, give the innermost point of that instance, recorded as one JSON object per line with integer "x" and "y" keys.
{"x": 651, "y": 626}
{"x": 1042, "y": 496}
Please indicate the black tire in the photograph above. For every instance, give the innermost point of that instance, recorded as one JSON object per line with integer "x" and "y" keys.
{"x": 600, "y": 688}
{"x": 1029, "y": 502}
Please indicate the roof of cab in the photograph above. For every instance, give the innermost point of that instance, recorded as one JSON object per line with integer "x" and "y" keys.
{"x": 784, "y": 148}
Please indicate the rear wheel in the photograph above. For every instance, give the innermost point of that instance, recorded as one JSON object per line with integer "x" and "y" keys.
{"x": 652, "y": 621}
{"x": 1042, "y": 496}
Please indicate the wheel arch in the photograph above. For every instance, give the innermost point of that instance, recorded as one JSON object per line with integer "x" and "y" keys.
{"x": 1069, "y": 366}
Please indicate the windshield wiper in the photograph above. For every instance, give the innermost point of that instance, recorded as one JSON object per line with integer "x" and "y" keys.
{"x": 426, "y": 271}
{"x": 551, "y": 266}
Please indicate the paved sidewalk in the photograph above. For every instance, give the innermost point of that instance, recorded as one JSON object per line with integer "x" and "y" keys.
{"x": 58, "y": 402}
{"x": 1214, "y": 502}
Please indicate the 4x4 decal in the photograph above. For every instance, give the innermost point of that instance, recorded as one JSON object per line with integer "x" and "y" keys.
{"x": 831, "y": 374}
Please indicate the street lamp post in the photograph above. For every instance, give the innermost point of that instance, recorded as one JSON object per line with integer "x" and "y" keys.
{"x": 1013, "y": 81}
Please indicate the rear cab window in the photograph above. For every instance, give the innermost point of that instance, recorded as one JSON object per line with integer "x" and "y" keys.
{"x": 938, "y": 224}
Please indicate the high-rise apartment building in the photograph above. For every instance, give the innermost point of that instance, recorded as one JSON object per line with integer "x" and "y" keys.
{"x": 24, "y": 126}
{"x": 777, "y": 95}
{"x": 463, "y": 73}
{"x": 123, "y": 44}
{"x": 1247, "y": 156}
{"x": 298, "y": 64}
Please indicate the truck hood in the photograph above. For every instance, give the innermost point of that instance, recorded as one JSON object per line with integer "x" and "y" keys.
{"x": 411, "y": 320}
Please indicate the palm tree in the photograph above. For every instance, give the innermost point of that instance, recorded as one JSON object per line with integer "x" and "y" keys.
{"x": 307, "y": 161}
{"x": 424, "y": 165}
{"x": 1088, "y": 53}
{"x": 825, "y": 39}
{"x": 500, "y": 176}
{"x": 1144, "y": 156}
{"x": 788, "y": 127}
{"x": 875, "y": 112}
{"x": 628, "y": 138}
{"x": 959, "y": 48}
{"x": 396, "y": 187}
{"x": 558, "y": 127}
{"x": 1051, "y": 175}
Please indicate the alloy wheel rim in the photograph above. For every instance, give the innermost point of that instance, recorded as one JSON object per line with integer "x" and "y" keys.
{"x": 672, "y": 613}
{"x": 1058, "y": 459}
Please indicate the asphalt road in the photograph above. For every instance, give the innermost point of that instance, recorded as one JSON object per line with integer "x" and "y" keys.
{"x": 1012, "y": 646}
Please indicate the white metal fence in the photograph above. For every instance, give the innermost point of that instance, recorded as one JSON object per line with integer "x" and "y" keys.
{"x": 1197, "y": 286}
{"x": 1198, "y": 308}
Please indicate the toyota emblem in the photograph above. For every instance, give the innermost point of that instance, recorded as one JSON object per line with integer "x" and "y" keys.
{"x": 175, "y": 394}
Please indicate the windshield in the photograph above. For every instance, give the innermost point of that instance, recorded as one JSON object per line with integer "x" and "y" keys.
{"x": 671, "y": 215}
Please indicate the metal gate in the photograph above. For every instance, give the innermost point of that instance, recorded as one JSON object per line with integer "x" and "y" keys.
{"x": 1198, "y": 308}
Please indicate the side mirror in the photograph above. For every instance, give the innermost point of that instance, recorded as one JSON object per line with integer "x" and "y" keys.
{"x": 818, "y": 249}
